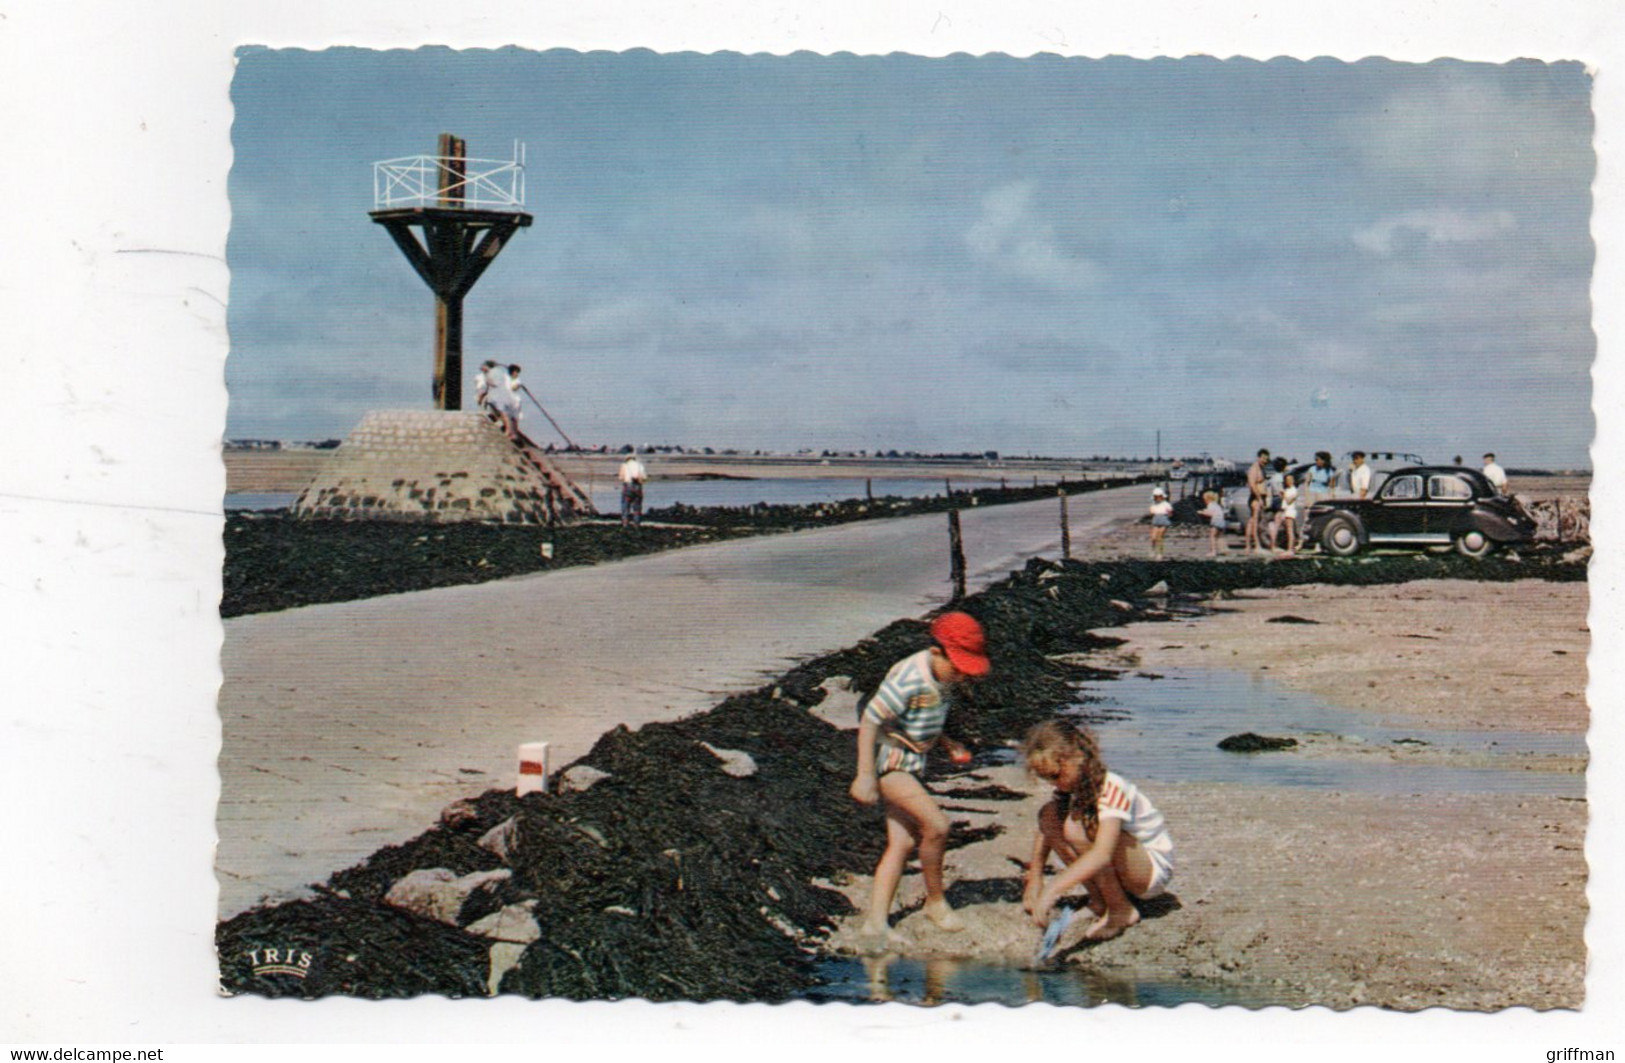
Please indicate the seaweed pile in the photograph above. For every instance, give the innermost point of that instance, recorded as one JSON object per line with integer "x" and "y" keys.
{"x": 275, "y": 561}
{"x": 674, "y": 873}
{"x": 792, "y": 517}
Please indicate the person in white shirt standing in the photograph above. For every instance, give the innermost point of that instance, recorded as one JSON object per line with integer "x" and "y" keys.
{"x": 1496, "y": 475}
{"x": 1359, "y": 475}
{"x": 632, "y": 474}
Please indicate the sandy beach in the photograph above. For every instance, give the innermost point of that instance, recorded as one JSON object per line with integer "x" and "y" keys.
{"x": 1340, "y": 898}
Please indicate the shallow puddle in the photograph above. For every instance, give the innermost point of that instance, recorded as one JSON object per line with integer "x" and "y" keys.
{"x": 945, "y": 981}
{"x": 1167, "y": 727}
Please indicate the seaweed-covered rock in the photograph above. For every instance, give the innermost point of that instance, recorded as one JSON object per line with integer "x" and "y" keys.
{"x": 513, "y": 923}
{"x": 438, "y": 894}
{"x": 1247, "y": 742}
{"x": 839, "y": 706}
{"x": 580, "y": 777}
{"x": 735, "y": 762}
{"x": 501, "y": 840}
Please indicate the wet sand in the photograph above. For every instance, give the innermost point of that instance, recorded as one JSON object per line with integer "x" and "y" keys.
{"x": 1302, "y": 896}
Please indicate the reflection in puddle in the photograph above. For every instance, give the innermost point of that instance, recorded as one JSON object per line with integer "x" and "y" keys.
{"x": 1168, "y": 728}
{"x": 938, "y": 980}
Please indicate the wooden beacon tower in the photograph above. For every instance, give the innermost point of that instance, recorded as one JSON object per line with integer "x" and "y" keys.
{"x": 468, "y": 210}
{"x": 451, "y": 216}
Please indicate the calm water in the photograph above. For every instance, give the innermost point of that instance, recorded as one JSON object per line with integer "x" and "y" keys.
{"x": 606, "y": 494}
{"x": 1168, "y": 728}
{"x": 945, "y": 981}
{"x": 261, "y": 499}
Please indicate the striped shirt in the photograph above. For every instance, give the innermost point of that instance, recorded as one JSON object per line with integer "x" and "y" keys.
{"x": 1121, "y": 799}
{"x": 909, "y": 709}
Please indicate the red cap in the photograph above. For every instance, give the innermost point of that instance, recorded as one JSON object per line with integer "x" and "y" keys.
{"x": 961, "y": 638}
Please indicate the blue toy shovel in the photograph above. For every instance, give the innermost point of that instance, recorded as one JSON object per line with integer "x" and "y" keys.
{"x": 1058, "y": 922}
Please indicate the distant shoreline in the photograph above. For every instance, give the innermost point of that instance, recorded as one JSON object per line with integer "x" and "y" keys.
{"x": 271, "y": 471}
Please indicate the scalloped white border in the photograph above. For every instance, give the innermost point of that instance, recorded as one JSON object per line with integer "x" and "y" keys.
{"x": 112, "y": 285}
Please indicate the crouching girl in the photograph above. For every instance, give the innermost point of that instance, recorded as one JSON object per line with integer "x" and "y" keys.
{"x": 1107, "y": 833}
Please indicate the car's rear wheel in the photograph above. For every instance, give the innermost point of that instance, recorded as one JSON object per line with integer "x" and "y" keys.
{"x": 1474, "y": 544}
{"x": 1340, "y": 537}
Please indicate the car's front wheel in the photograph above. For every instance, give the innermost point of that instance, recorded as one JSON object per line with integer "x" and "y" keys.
{"x": 1340, "y": 537}
{"x": 1474, "y": 544}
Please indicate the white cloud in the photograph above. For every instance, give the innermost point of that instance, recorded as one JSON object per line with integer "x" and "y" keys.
{"x": 1466, "y": 130}
{"x": 1436, "y": 227}
{"x": 1014, "y": 239}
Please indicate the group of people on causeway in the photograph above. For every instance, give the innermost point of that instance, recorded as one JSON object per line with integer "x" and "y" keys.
{"x": 1273, "y": 493}
{"x": 1276, "y": 501}
{"x": 1111, "y": 841}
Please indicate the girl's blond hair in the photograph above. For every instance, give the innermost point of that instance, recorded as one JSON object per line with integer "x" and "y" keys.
{"x": 1210, "y": 496}
{"x": 1054, "y": 741}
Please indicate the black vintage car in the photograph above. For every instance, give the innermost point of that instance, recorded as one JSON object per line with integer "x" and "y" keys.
{"x": 1425, "y": 505}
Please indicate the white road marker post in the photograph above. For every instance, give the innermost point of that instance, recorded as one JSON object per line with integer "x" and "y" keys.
{"x": 532, "y": 769}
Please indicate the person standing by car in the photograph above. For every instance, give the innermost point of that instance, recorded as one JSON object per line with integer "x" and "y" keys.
{"x": 1288, "y": 517}
{"x": 1359, "y": 475}
{"x": 1277, "y": 487}
{"x": 1257, "y": 496}
{"x": 1318, "y": 488}
{"x": 1496, "y": 475}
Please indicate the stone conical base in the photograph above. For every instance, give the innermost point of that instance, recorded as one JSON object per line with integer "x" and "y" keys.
{"x": 438, "y": 466}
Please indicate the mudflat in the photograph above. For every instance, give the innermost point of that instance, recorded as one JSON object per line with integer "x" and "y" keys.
{"x": 1304, "y": 896}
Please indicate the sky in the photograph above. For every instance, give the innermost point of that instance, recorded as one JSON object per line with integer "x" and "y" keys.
{"x": 1047, "y": 255}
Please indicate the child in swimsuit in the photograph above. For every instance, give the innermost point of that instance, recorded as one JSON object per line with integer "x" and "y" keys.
{"x": 1109, "y": 835}
{"x": 901, "y": 723}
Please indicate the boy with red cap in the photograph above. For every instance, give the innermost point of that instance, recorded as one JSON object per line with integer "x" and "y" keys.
{"x": 901, "y": 723}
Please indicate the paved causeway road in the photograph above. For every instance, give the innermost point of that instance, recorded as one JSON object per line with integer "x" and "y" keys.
{"x": 349, "y": 726}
